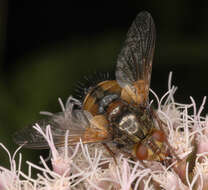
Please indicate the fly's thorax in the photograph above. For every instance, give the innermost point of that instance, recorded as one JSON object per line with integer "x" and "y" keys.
{"x": 134, "y": 121}
{"x": 129, "y": 124}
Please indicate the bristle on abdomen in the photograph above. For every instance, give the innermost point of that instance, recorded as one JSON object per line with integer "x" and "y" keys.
{"x": 83, "y": 87}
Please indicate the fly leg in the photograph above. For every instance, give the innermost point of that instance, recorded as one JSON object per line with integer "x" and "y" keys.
{"x": 161, "y": 125}
{"x": 110, "y": 152}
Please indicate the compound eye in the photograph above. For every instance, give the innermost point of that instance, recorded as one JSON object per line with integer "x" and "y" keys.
{"x": 141, "y": 152}
{"x": 159, "y": 135}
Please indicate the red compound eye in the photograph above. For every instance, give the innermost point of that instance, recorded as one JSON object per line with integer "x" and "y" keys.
{"x": 159, "y": 135}
{"x": 141, "y": 152}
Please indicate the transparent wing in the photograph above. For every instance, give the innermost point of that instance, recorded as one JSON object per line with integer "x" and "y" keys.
{"x": 134, "y": 63}
{"x": 79, "y": 124}
{"x": 31, "y": 138}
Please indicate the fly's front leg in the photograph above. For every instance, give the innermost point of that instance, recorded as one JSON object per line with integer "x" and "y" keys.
{"x": 161, "y": 125}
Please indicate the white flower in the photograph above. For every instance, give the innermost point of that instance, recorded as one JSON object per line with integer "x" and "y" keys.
{"x": 91, "y": 167}
{"x": 10, "y": 178}
{"x": 61, "y": 161}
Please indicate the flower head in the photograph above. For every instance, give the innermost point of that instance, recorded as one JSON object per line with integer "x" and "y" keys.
{"x": 92, "y": 167}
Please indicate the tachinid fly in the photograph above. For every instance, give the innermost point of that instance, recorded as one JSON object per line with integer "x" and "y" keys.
{"x": 115, "y": 111}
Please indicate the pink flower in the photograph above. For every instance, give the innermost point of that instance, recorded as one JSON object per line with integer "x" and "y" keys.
{"x": 91, "y": 167}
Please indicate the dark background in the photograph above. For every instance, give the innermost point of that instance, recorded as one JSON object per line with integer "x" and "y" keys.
{"x": 47, "y": 46}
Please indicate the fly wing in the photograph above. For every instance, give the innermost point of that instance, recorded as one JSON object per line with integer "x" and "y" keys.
{"x": 81, "y": 126}
{"x": 31, "y": 138}
{"x": 134, "y": 63}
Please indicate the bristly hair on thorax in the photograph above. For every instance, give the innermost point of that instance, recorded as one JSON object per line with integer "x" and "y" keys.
{"x": 87, "y": 83}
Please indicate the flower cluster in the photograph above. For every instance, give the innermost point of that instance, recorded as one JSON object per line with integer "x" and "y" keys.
{"x": 91, "y": 167}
